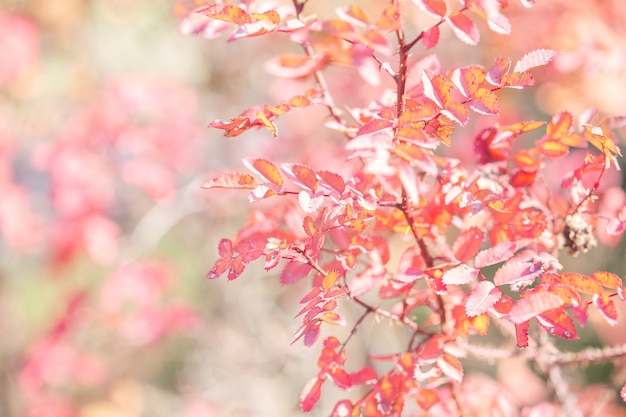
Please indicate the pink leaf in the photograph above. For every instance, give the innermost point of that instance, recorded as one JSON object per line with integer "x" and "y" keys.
{"x": 430, "y": 37}
{"x": 533, "y": 305}
{"x": 451, "y": 367}
{"x": 459, "y": 275}
{"x": 534, "y": 59}
{"x": 311, "y": 393}
{"x": 482, "y": 298}
{"x": 310, "y": 202}
{"x": 294, "y": 271}
{"x": 464, "y": 28}
{"x": 517, "y": 273}
{"x": 623, "y": 393}
{"x": 501, "y": 252}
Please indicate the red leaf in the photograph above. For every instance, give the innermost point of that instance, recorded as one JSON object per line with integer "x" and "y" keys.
{"x": 340, "y": 377}
{"x": 558, "y": 323}
{"x": 482, "y": 298}
{"x": 225, "y": 249}
{"x": 311, "y": 393}
{"x": 521, "y": 334}
{"x": 532, "y": 305}
{"x": 436, "y": 8}
{"x": 463, "y": 28}
{"x": 534, "y": 59}
{"x": 366, "y": 375}
{"x": 430, "y": 37}
{"x": 266, "y": 170}
{"x": 468, "y": 244}
{"x": 501, "y": 252}
{"x": 607, "y": 308}
{"x": 294, "y": 271}
{"x": 451, "y": 367}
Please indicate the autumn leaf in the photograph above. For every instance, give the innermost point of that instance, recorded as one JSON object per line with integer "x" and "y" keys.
{"x": 234, "y": 180}
{"x": 266, "y": 170}
{"x": 464, "y": 28}
{"x": 451, "y": 367}
{"x": 482, "y": 298}
{"x": 311, "y": 393}
{"x": 534, "y": 59}
{"x": 430, "y": 37}
{"x": 606, "y": 307}
{"x": 435, "y": 8}
{"x": 532, "y": 305}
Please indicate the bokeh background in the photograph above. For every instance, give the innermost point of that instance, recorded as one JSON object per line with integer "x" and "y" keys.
{"x": 106, "y": 235}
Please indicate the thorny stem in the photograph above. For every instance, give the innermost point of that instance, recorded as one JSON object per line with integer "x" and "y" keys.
{"x": 402, "y": 70}
{"x": 319, "y": 76}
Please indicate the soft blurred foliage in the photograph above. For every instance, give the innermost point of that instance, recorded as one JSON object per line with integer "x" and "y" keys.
{"x": 106, "y": 235}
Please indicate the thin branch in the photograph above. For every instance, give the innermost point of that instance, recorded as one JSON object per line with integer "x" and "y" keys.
{"x": 588, "y": 355}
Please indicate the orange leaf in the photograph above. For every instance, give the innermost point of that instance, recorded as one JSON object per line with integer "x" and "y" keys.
{"x": 480, "y": 323}
{"x": 485, "y": 102}
{"x": 268, "y": 124}
{"x": 329, "y": 280}
{"x": 607, "y": 279}
{"x": 526, "y": 160}
{"x": 301, "y": 175}
{"x": 354, "y": 14}
{"x": 552, "y": 148}
{"x": 522, "y": 127}
{"x": 517, "y": 80}
{"x": 234, "y": 180}
{"x": 560, "y": 125}
{"x": 231, "y": 14}
{"x": 334, "y": 181}
{"x": 606, "y": 307}
{"x": 465, "y": 80}
{"x": 581, "y": 283}
{"x": 436, "y": 8}
{"x": 437, "y": 89}
{"x": 266, "y": 170}
{"x": 390, "y": 19}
